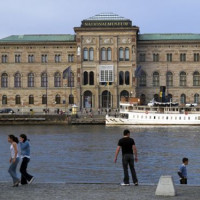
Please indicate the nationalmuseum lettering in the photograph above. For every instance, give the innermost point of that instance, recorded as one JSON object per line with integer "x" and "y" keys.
{"x": 106, "y": 24}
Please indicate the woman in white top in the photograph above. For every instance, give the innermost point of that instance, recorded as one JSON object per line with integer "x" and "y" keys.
{"x": 14, "y": 159}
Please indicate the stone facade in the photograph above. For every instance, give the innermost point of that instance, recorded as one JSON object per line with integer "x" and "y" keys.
{"x": 100, "y": 61}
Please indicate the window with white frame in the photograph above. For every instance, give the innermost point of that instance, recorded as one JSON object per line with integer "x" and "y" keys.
{"x": 106, "y": 73}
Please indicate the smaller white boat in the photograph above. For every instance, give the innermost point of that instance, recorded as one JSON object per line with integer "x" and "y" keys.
{"x": 155, "y": 113}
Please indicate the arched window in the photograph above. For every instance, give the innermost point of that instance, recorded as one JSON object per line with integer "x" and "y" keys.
{"x": 182, "y": 79}
{"x": 57, "y": 99}
{"x": 103, "y": 54}
{"x": 85, "y": 54}
{"x": 126, "y": 54}
{"x": 91, "y": 54}
{"x": 85, "y": 78}
{"x": 87, "y": 97}
{"x": 124, "y": 94}
{"x": 183, "y": 98}
{"x": 44, "y": 80}
{"x": 17, "y": 80}
{"x": 71, "y": 99}
{"x": 31, "y": 99}
{"x": 44, "y": 99}
{"x": 4, "y": 80}
{"x": 169, "y": 79}
{"x": 127, "y": 78}
{"x": 196, "y": 79}
{"x": 156, "y": 79}
{"x": 121, "y": 54}
{"x": 106, "y": 99}
{"x": 30, "y": 80}
{"x": 57, "y": 79}
{"x": 17, "y": 99}
{"x": 91, "y": 78}
{"x": 142, "y": 80}
{"x": 109, "y": 54}
{"x": 196, "y": 98}
{"x": 121, "y": 78}
{"x": 71, "y": 80}
{"x": 4, "y": 99}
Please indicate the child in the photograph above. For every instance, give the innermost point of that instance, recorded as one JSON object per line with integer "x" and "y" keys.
{"x": 183, "y": 171}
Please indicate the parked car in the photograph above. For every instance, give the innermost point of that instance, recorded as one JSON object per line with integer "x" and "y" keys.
{"x": 7, "y": 110}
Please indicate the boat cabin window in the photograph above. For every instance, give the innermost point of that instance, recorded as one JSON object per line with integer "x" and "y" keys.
{"x": 198, "y": 117}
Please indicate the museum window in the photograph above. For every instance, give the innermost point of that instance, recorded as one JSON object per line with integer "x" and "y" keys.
{"x": 85, "y": 54}
{"x": 44, "y": 58}
{"x": 57, "y": 99}
{"x": 4, "y": 80}
{"x": 142, "y": 57}
{"x": 17, "y": 80}
{"x": 44, "y": 99}
{"x": 126, "y": 54}
{"x": 109, "y": 54}
{"x": 91, "y": 54}
{"x": 196, "y": 79}
{"x": 183, "y": 57}
{"x": 155, "y": 57}
{"x": 196, "y": 98}
{"x": 142, "y": 79}
{"x": 121, "y": 54}
{"x": 70, "y": 57}
{"x": 121, "y": 78}
{"x": 183, "y": 99}
{"x": 103, "y": 54}
{"x": 57, "y": 79}
{"x": 57, "y": 58}
{"x": 30, "y": 58}
{"x": 182, "y": 79}
{"x": 30, "y": 80}
{"x": 17, "y": 58}
{"x": 91, "y": 75}
{"x": 196, "y": 57}
{"x": 71, "y": 99}
{"x": 85, "y": 78}
{"x": 4, "y": 58}
{"x": 156, "y": 79}
{"x": 127, "y": 78}
{"x": 4, "y": 99}
{"x": 169, "y": 57}
{"x": 71, "y": 80}
{"x": 17, "y": 99}
{"x": 31, "y": 99}
{"x": 44, "y": 80}
{"x": 169, "y": 79}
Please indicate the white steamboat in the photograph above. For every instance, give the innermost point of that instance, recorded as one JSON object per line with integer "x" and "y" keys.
{"x": 155, "y": 114}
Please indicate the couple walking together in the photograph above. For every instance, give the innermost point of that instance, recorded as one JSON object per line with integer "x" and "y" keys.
{"x": 14, "y": 159}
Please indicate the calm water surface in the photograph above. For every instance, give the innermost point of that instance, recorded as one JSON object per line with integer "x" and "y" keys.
{"x": 84, "y": 154}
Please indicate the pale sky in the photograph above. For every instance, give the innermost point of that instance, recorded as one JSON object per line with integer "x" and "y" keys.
{"x": 18, "y": 17}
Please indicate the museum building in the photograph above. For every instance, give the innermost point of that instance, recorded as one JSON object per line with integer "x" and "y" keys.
{"x": 107, "y": 58}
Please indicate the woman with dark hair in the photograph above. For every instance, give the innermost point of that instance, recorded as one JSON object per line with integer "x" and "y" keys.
{"x": 25, "y": 155}
{"x": 14, "y": 159}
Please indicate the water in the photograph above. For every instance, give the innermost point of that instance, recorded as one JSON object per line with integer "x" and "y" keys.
{"x": 85, "y": 154}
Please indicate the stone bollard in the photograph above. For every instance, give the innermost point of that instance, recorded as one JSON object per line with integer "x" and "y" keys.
{"x": 165, "y": 186}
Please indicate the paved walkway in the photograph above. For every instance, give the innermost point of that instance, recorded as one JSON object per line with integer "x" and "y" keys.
{"x": 65, "y": 191}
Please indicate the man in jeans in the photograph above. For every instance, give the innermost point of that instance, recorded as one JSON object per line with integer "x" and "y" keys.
{"x": 128, "y": 147}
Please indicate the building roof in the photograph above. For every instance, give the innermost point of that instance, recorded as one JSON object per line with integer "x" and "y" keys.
{"x": 174, "y": 36}
{"x": 106, "y": 17}
{"x": 39, "y": 38}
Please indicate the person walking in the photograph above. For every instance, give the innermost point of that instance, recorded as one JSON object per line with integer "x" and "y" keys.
{"x": 25, "y": 155}
{"x": 183, "y": 171}
{"x": 128, "y": 147}
{"x": 14, "y": 159}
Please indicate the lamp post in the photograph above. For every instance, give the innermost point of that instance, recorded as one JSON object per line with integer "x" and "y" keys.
{"x": 65, "y": 98}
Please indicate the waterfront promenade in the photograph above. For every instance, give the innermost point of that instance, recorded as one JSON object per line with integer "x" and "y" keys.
{"x": 63, "y": 191}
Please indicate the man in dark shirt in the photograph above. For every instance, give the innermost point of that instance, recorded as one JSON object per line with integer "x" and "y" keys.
{"x": 128, "y": 147}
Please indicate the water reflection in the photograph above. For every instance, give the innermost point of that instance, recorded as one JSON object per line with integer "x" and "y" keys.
{"x": 82, "y": 154}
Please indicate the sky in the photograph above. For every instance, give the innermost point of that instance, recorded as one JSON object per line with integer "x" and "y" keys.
{"x": 19, "y": 17}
